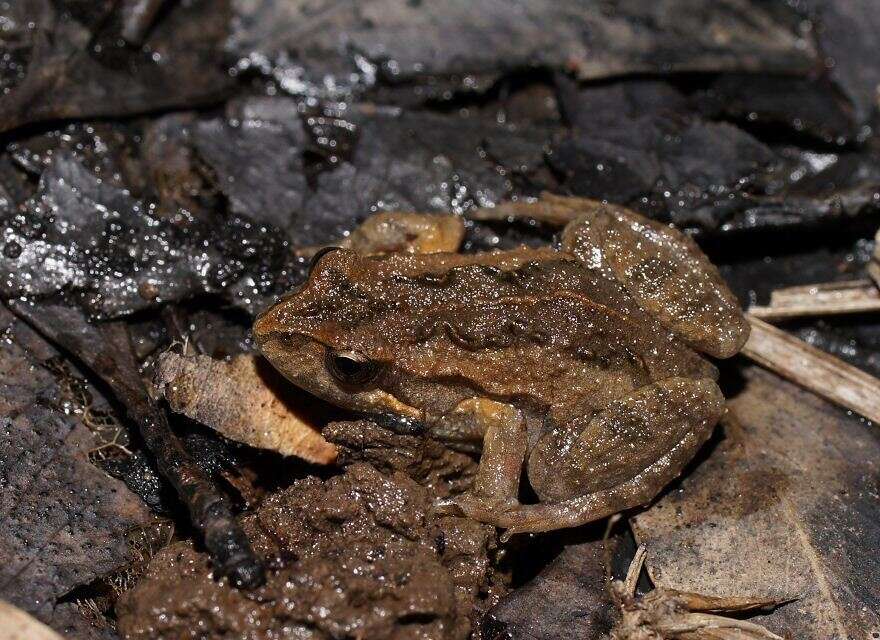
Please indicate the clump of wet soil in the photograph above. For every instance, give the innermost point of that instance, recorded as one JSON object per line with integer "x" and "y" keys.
{"x": 429, "y": 462}
{"x": 360, "y": 555}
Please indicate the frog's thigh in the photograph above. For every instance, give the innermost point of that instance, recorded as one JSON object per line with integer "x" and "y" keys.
{"x": 504, "y": 448}
{"x": 625, "y": 455}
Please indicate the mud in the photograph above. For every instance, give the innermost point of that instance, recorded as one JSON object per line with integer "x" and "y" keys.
{"x": 360, "y": 555}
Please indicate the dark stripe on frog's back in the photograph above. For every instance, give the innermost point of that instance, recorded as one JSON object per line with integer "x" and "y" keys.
{"x": 381, "y": 303}
{"x": 471, "y": 285}
{"x": 598, "y": 335}
{"x": 367, "y": 295}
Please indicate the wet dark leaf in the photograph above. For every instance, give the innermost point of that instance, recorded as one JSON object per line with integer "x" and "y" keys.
{"x": 68, "y": 60}
{"x": 568, "y": 599}
{"x": 785, "y": 507}
{"x": 114, "y": 255}
{"x": 403, "y": 41}
{"x": 257, "y": 157}
{"x": 64, "y": 520}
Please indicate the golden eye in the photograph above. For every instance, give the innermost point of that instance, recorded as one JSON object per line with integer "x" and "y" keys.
{"x": 350, "y": 367}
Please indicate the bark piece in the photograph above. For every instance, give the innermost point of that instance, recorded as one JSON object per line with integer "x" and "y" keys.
{"x": 244, "y": 400}
{"x": 784, "y": 507}
{"x": 814, "y": 369}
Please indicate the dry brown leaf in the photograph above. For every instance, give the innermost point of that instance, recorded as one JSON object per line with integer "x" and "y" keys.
{"x": 786, "y": 506}
{"x": 239, "y": 399}
{"x": 15, "y": 624}
{"x": 667, "y": 614}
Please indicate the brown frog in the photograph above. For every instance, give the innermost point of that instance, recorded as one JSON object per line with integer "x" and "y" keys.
{"x": 582, "y": 361}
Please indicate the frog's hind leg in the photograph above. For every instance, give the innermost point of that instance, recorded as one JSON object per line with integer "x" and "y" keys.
{"x": 625, "y": 456}
{"x": 496, "y": 486}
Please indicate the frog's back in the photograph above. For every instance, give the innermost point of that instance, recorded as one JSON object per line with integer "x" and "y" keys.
{"x": 520, "y": 322}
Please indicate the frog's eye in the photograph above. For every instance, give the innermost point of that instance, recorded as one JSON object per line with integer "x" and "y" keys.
{"x": 350, "y": 367}
{"x": 317, "y": 257}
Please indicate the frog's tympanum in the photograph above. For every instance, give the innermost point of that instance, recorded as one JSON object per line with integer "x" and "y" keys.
{"x": 583, "y": 362}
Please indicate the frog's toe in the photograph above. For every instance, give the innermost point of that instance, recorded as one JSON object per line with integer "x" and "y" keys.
{"x": 478, "y": 507}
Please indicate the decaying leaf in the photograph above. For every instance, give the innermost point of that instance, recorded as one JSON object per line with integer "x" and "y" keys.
{"x": 64, "y": 521}
{"x": 785, "y": 507}
{"x": 667, "y": 614}
{"x": 568, "y": 599}
{"x": 74, "y": 64}
{"x": 242, "y": 400}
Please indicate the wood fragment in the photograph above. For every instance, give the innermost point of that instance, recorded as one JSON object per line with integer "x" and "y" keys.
{"x": 827, "y": 298}
{"x": 237, "y": 399}
{"x": 814, "y": 369}
{"x": 874, "y": 271}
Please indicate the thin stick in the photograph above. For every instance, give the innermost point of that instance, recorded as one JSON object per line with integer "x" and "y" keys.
{"x": 812, "y": 368}
{"x": 635, "y": 569}
{"x": 828, "y": 298}
{"x": 105, "y": 348}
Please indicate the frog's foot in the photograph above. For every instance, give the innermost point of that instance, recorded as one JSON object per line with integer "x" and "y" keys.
{"x": 496, "y": 486}
{"x": 480, "y": 508}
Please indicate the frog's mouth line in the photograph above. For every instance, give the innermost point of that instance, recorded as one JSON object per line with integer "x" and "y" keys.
{"x": 401, "y": 425}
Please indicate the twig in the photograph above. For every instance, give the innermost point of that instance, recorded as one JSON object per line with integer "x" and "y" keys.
{"x": 635, "y": 569}
{"x": 105, "y": 348}
{"x": 814, "y": 369}
{"x": 829, "y": 298}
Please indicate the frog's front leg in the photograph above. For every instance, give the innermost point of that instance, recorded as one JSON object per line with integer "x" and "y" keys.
{"x": 496, "y": 486}
{"x": 622, "y": 458}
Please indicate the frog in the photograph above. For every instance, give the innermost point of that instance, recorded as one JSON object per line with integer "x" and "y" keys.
{"x": 582, "y": 368}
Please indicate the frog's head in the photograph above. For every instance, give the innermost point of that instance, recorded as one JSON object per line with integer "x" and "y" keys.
{"x": 323, "y": 336}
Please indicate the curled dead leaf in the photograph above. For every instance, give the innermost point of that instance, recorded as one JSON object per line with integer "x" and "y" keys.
{"x": 785, "y": 505}
{"x": 236, "y": 399}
